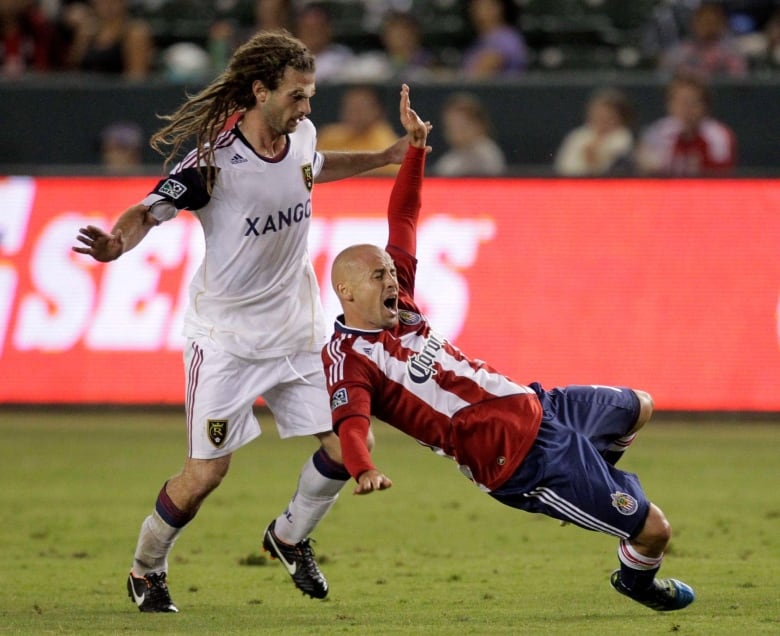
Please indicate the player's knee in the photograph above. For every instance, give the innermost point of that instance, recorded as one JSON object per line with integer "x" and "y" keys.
{"x": 198, "y": 478}
{"x": 645, "y": 409}
{"x": 331, "y": 445}
{"x": 656, "y": 532}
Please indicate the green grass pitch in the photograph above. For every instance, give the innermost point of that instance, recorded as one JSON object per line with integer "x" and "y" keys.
{"x": 430, "y": 556}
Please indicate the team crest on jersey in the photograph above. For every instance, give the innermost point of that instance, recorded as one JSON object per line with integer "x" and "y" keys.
{"x": 217, "y": 431}
{"x": 172, "y": 188}
{"x": 409, "y": 317}
{"x": 308, "y": 176}
{"x": 625, "y": 503}
{"x": 340, "y": 398}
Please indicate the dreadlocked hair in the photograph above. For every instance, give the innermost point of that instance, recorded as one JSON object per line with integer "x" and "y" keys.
{"x": 264, "y": 57}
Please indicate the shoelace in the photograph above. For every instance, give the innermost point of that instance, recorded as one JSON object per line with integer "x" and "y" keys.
{"x": 158, "y": 588}
{"x": 306, "y": 553}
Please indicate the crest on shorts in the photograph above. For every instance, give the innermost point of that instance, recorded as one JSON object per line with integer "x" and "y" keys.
{"x": 625, "y": 503}
{"x": 171, "y": 188}
{"x": 217, "y": 431}
{"x": 340, "y": 398}
{"x": 409, "y": 317}
{"x": 308, "y": 176}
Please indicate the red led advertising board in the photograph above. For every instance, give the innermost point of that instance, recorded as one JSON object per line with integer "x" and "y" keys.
{"x": 667, "y": 286}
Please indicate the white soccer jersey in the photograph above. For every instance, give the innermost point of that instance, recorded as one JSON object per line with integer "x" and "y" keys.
{"x": 256, "y": 293}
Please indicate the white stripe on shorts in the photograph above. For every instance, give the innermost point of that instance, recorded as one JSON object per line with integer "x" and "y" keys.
{"x": 566, "y": 508}
{"x": 192, "y": 384}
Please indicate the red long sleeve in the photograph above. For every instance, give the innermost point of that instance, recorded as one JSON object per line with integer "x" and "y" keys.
{"x": 353, "y": 432}
{"x": 405, "y": 201}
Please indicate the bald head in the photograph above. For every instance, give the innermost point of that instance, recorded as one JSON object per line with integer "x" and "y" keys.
{"x": 351, "y": 262}
{"x": 364, "y": 279}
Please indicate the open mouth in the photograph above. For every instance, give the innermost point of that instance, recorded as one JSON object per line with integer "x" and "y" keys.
{"x": 391, "y": 304}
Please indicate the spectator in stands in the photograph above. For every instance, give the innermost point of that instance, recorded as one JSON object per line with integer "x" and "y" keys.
{"x": 604, "y": 143}
{"x": 402, "y": 56}
{"x": 499, "y": 49}
{"x": 709, "y": 50}
{"x": 363, "y": 126}
{"x": 226, "y": 35}
{"x": 763, "y": 47}
{"x": 106, "y": 39}
{"x": 25, "y": 38}
{"x": 273, "y": 14}
{"x": 313, "y": 26}
{"x": 121, "y": 148}
{"x": 472, "y": 151}
{"x": 771, "y": 33}
{"x": 186, "y": 62}
{"x": 665, "y": 26}
{"x": 688, "y": 142}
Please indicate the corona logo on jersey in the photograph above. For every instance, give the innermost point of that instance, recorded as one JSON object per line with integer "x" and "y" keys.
{"x": 420, "y": 365}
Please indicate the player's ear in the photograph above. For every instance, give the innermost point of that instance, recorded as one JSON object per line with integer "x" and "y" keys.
{"x": 344, "y": 291}
{"x": 259, "y": 91}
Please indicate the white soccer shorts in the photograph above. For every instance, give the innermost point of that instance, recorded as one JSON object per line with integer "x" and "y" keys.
{"x": 222, "y": 389}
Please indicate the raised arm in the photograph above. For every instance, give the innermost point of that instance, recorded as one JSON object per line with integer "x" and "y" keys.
{"x": 340, "y": 165}
{"x": 416, "y": 129}
{"x": 352, "y": 417}
{"x": 405, "y": 199}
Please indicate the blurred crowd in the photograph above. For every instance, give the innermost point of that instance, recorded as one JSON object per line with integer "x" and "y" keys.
{"x": 688, "y": 42}
{"x": 387, "y": 39}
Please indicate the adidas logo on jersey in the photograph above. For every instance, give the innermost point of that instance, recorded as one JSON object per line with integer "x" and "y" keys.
{"x": 236, "y": 158}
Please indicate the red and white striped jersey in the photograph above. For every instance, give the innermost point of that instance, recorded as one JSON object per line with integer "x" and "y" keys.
{"x": 416, "y": 381}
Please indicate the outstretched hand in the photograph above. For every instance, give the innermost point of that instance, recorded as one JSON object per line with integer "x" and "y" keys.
{"x": 129, "y": 229}
{"x": 416, "y": 129}
{"x": 100, "y": 245}
{"x": 371, "y": 480}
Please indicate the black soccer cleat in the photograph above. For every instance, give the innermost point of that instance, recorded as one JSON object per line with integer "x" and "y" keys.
{"x": 150, "y": 593}
{"x": 664, "y": 595}
{"x": 299, "y": 562}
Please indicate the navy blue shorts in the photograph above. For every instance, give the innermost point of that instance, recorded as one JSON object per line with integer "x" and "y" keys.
{"x": 564, "y": 475}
